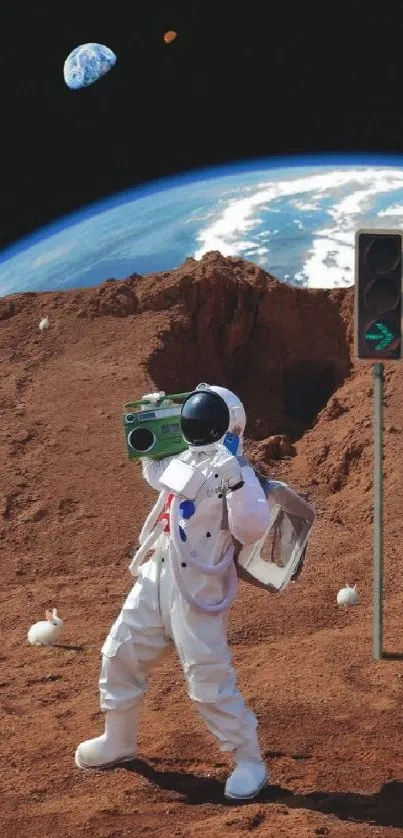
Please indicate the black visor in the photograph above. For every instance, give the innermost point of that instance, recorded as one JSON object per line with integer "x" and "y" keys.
{"x": 204, "y": 418}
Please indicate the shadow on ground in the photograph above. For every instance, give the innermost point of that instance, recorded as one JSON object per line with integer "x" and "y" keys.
{"x": 383, "y": 808}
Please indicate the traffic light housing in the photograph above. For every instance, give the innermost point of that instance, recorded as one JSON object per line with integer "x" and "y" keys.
{"x": 378, "y": 294}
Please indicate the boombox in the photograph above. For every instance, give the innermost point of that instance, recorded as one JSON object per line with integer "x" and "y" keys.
{"x": 151, "y": 426}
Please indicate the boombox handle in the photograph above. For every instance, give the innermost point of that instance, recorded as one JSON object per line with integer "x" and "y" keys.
{"x": 171, "y": 397}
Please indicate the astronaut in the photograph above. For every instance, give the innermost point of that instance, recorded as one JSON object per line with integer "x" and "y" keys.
{"x": 183, "y": 592}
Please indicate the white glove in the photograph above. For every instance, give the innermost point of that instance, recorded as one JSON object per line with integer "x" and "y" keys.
{"x": 228, "y": 468}
{"x": 153, "y": 397}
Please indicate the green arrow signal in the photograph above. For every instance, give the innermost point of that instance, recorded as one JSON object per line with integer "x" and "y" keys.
{"x": 380, "y": 334}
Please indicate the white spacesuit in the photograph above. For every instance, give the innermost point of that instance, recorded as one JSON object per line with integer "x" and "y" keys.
{"x": 183, "y": 592}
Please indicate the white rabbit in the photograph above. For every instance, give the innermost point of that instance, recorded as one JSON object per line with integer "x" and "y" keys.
{"x": 44, "y": 324}
{"x": 348, "y": 595}
{"x": 46, "y": 632}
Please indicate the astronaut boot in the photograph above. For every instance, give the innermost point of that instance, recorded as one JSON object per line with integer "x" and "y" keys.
{"x": 250, "y": 773}
{"x": 117, "y": 744}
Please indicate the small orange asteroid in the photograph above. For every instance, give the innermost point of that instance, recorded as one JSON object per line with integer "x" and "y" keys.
{"x": 170, "y": 36}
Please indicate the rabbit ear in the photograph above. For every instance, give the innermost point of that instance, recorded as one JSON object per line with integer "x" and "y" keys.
{"x": 48, "y": 614}
{"x": 54, "y": 612}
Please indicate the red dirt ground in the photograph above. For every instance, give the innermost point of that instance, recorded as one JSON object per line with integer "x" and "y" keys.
{"x": 331, "y": 719}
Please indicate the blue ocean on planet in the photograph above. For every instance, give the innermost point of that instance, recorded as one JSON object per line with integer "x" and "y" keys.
{"x": 295, "y": 218}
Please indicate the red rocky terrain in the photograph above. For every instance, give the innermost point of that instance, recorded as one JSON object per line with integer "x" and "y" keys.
{"x": 331, "y": 718}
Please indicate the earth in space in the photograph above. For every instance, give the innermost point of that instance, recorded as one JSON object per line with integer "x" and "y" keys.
{"x": 296, "y": 219}
{"x": 87, "y": 64}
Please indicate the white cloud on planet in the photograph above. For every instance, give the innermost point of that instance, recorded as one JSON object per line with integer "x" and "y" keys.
{"x": 51, "y": 255}
{"x": 224, "y": 233}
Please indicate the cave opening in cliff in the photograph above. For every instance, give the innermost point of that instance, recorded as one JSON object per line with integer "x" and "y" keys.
{"x": 307, "y": 387}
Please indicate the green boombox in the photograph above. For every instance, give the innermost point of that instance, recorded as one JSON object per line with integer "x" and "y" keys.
{"x": 151, "y": 426}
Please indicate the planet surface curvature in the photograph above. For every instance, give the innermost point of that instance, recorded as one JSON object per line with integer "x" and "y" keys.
{"x": 297, "y": 220}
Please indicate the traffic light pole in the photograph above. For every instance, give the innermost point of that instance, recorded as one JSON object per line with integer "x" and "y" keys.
{"x": 378, "y": 337}
{"x": 377, "y": 371}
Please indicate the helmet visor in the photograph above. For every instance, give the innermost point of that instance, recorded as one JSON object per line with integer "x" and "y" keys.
{"x": 205, "y": 418}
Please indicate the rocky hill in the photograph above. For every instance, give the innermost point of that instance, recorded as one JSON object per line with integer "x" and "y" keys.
{"x": 71, "y": 508}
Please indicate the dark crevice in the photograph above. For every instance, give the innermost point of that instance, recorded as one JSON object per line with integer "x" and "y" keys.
{"x": 284, "y": 352}
{"x": 307, "y": 388}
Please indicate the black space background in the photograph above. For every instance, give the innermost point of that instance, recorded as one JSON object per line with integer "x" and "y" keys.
{"x": 242, "y": 80}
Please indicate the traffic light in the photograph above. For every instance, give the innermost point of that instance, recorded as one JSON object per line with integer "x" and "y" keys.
{"x": 378, "y": 294}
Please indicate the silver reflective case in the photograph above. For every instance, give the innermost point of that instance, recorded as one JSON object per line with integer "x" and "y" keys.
{"x": 278, "y": 557}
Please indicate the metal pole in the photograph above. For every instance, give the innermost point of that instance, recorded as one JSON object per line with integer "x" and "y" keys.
{"x": 377, "y": 371}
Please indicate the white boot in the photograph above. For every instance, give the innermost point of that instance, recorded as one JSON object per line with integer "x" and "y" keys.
{"x": 117, "y": 744}
{"x": 249, "y": 775}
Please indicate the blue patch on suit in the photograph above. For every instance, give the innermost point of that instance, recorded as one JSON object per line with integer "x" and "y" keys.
{"x": 187, "y": 509}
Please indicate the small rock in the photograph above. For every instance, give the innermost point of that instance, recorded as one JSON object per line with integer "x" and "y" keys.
{"x": 276, "y": 447}
{"x": 35, "y": 513}
{"x": 335, "y": 408}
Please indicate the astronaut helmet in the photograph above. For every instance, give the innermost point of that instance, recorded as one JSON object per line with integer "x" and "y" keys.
{"x": 210, "y": 412}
